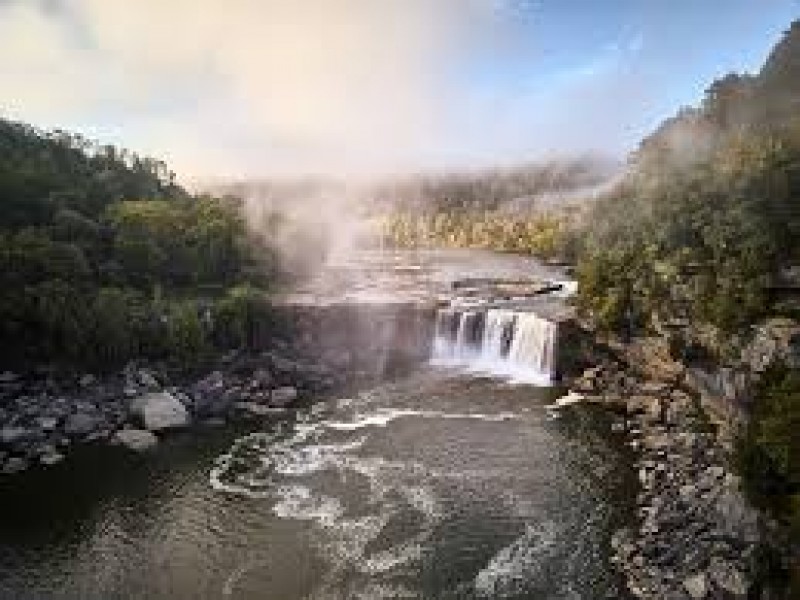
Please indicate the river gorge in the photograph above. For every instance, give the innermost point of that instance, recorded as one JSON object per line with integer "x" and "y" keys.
{"x": 459, "y": 475}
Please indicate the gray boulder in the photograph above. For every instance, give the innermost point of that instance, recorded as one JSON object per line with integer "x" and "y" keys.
{"x": 159, "y": 410}
{"x": 283, "y": 396}
{"x": 696, "y": 586}
{"x": 137, "y": 440}
{"x": 727, "y": 577}
{"x": 13, "y": 435}
{"x": 147, "y": 379}
{"x": 51, "y": 457}
{"x": 13, "y": 465}
{"x": 8, "y": 377}
{"x": 81, "y": 424}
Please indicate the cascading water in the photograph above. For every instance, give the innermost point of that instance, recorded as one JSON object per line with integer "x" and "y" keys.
{"x": 513, "y": 343}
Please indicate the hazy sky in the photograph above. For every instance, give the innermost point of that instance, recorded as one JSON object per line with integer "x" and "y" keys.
{"x": 256, "y": 87}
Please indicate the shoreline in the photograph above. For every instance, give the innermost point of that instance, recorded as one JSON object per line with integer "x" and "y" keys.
{"x": 696, "y": 535}
{"x": 43, "y": 417}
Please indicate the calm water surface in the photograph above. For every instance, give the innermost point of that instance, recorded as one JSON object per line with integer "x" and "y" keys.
{"x": 434, "y": 486}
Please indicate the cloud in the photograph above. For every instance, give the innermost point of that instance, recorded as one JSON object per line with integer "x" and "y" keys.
{"x": 251, "y": 87}
{"x": 317, "y": 84}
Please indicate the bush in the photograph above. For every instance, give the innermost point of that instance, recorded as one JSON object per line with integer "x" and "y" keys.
{"x": 768, "y": 450}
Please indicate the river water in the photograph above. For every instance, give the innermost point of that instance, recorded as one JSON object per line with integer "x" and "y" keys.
{"x": 437, "y": 485}
{"x": 433, "y": 486}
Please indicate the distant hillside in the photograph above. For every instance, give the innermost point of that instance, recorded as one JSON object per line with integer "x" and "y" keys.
{"x": 734, "y": 104}
{"x": 520, "y": 189}
{"x": 700, "y": 245}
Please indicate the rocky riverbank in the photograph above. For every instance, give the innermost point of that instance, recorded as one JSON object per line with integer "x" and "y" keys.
{"x": 696, "y": 536}
{"x": 43, "y": 415}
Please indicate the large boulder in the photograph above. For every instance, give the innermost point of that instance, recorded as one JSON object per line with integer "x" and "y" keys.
{"x": 696, "y": 586}
{"x": 159, "y": 410}
{"x": 138, "y": 440}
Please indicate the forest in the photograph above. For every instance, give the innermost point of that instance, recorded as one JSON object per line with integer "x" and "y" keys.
{"x": 105, "y": 258}
{"x": 702, "y": 241}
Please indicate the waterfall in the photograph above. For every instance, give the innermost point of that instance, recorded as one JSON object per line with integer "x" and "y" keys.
{"x": 512, "y": 343}
{"x": 458, "y": 334}
{"x": 534, "y": 344}
{"x": 498, "y": 334}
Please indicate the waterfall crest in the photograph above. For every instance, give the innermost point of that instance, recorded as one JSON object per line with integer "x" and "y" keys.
{"x": 518, "y": 344}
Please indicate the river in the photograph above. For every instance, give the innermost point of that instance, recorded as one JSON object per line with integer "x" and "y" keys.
{"x": 439, "y": 484}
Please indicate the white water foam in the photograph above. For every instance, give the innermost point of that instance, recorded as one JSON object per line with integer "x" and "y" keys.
{"x": 383, "y": 416}
{"x": 520, "y": 561}
{"x": 298, "y": 502}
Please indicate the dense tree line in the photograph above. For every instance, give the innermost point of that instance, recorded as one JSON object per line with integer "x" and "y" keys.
{"x": 703, "y": 231}
{"x": 519, "y": 189}
{"x": 103, "y": 257}
{"x": 545, "y": 236}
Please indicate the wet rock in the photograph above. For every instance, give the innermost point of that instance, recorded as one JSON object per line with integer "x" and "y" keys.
{"x": 283, "y": 396}
{"x": 138, "y": 440}
{"x": 13, "y": 465}
{"x": 147, "y": 380}
{"x": 81, "y": 424}
{"x": 8, "y": 377}
{"x": 696, "y": 586}
{"x": 727, "y": 577}
{"x": 261, "y": 379}
{"x": 10, "y": 436}
{"x": 159, "y": 410}
{"x": 256, "y": 410}
{"x": 51, "y": 457}
{"x": 47, "y": 423}
{"x": 87, "y": 380}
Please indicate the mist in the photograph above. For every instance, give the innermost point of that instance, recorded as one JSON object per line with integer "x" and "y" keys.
{"x": 344, "y": 87}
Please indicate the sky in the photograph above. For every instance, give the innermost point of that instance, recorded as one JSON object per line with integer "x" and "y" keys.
{"x": 254, "y": 88}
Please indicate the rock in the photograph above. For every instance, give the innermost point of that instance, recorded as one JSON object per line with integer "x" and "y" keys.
{"x": 654, "y": 388}
{"x": 148, "y": 380}
{"x": 283, "y": 366}
{"x": 13, "y": 435}
{"x": 8, "y": 377}
{"x": 214, "y": 422}
{"x": 47, "y": 423}
{"x": 13, "y": 465}
{"x": 257, "y": 410}
{"x": 283, "y": 396}
{"x": 159, "y": 410}
{"x": 81, "y": 424}
{"x": 776, "y": 340}
{"x": 261, "y": 378}
{"x": 735, "y": 517}
{"x": 727, "y": 577}
{"x": 137, "y": 440}
{"x": 696, "y": 586}
{"x": 86, "y": 380}
{"x": 51, "y": 458}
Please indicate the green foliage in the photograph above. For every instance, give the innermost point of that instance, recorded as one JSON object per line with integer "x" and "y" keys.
{"x": 103, "y": 258}
{"x": 240, "y": 318}
{"x": 711, "y": 202}
{"x": 540, "y": 235}
{"x": 768, "y": 451}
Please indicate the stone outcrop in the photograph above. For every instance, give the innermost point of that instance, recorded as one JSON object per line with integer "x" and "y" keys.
{"x": 160, "y": 410}
{"x": 138, "y": 440}
{"x": 695, "y": 536}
